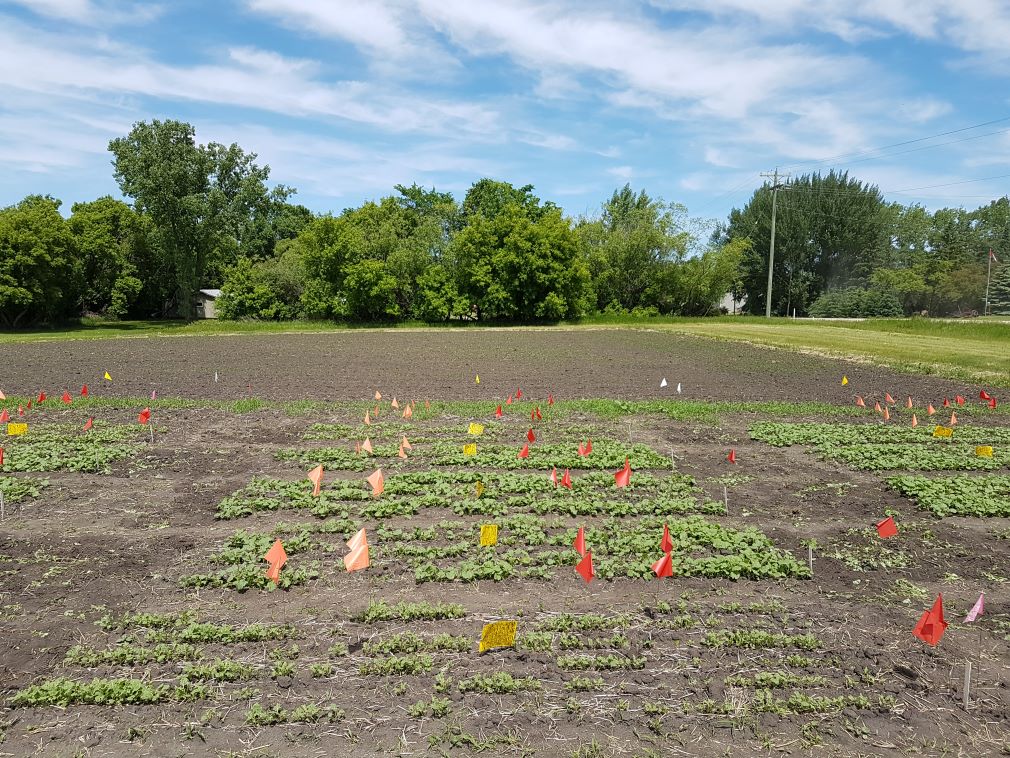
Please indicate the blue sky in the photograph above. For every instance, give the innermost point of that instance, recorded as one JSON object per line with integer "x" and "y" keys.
{"x": 687, "y": 99}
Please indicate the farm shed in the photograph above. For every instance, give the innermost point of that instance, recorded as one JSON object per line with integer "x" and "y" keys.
{"x": 205, "y": 303}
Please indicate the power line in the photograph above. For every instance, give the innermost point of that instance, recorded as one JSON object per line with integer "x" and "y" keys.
{"x": 859, "y": 153}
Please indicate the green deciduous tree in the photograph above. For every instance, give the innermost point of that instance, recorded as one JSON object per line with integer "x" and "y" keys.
{"x": 39, "y": 278}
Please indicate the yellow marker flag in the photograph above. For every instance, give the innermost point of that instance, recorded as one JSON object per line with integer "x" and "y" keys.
{"x": 943, "y": 431}
{"x": 107, "y": 377}
{"x": 984, "y": 451}
{"x": 16, "y": 430}
{"x": 498, "y": 634}
{"x": 479, "y": 489}
{"x": 845, "y": 380}
{"x": 470, "y": 449}
{"x": 476, "y": 379}
{"x": 476, "y": 429}
{"x": 488, "y": 535}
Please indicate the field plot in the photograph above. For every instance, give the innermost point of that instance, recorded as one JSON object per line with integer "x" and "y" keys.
{"x": 138, "y": 618}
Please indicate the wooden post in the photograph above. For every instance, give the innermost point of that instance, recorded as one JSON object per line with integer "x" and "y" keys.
{"x": 810, "y": 558}
{"x": 967, "y": 683}
{"x": 725, "y": 498}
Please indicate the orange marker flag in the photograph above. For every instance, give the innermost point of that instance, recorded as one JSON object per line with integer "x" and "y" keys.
{"x": 887, "y": 414}
{"x": 357, "y": 447}
{"x": 550, "y": 398}
{"x": 377, "y": 481}
{"x": 2, "y": 395}
{"x": 887, "y": 528}
{"x": 367, "y": 446}
{"x": 953, "y": 418}
{"x": 582, "y": 450}
{"x": 276, "y": 557}
{"x": 357, "y": 559}
{"x": 931, "y": 624}
{"x": 589, "y": 446}
{"x": 67, "y": 400}
{"x": 531, "y": 436}
{"x": 89, "y": 423}
{"x": 585, "y": 567}
{"x": 368, "y": 419}
{"x": 316, "y": 477}
{"x": 402, "y": 453}
{"x": 663, "y": 567}
{"x": 623, "y": 477}
{"x": 405, "y": 444}
{"x": 427, "y": 405}
{"x": 959, "y": 400}
{"x": 394, "y": 404}
{"x": 888, "y": 398}
{"x": 378, "y": 395}
{"x": 860, "y": 403}
{"x": 580, "y": 541}
{"x": 554, "y": 476}
{"x": 566, "y": 480}
{"x": 732, "y": 456}
{"x": 408, "y": 412}
{"x": 21, "y": 411}
{"x": 497, "y": 413}
{"x": 908, "y": 403}
{"x": 667, "y": 544}
{"x": 375, "y": 412}
{"x": 144, "y": 416}
{"x": 509, "y": 401}
{"x": 525, "y": 452}
{"x": 915, "y": 421}
{"x": 4, "y": 416}
{"x": 877, "y": 408}
{"x": 930, "y": 410}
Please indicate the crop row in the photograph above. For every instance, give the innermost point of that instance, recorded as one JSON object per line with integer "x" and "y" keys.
{"x": 961, "y": 495}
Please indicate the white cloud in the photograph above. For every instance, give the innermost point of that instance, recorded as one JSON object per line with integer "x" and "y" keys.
{"x": 90, "y": 12}
{"x": 373, "y": 25}
{"x": 621, "y": 172}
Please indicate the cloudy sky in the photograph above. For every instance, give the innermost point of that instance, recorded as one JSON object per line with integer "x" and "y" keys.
{"x": 688, "y": 99}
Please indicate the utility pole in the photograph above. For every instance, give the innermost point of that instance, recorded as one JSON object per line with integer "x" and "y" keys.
{"x": 771, "y": 252}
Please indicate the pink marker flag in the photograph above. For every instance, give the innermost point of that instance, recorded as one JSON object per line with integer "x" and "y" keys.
{"x": 976, "y": 610}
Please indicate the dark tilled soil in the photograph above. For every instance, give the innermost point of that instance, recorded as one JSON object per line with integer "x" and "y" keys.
{"x": 114, "y": 543}
{"x": 614, "y": 363}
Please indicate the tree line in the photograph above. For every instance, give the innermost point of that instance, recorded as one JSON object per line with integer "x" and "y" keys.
{"x": 206, "y": 216}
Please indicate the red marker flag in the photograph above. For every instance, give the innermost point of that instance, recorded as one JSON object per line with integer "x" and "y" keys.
{"x": 276, "y": 557}
{"x": 667, "y": 544}
{"x": 580, "y": 541}
{"x": 89, "y": 423}
{"x": 509, "y": 401}
{"x": 589, "y": 446}
{"x": 29, "y": 406}
{"x": 992, "y": 403}
{"x": 533, "y": 415}
{"x": 983, "y": 395}
{"x": 519, "y": 394}
{"x": 585, "y": 567}
{"x": 525, "y": 452}
{"x": 497, "y": 413}
{"x": 84, "y": 391}
{"x": 663, "y": 567}
{"x": 42, "y": 398}
{"x": 732, "y": 455}
{"x": 931, "y": 624}
{"x": 4, "y": 416}
{"x": 531, "y": 436}
{"x": 959, "y": 400}
{"x": 623, "y": 477}
{"x": 946, "y": 402}
{"x": 550, "y": 399}
{"x": 67, "y": 400}
{"x": 887, "y": 528}
{"x": 566, "y": 480}
{"x": 144, "y": 416}
{"x": 554, "y": 476}
{"x": 21, "y": 411}
{"x": 1, "y": 456}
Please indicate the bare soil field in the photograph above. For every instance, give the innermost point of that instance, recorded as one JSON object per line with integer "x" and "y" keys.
{"x": 137, "y": 620}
